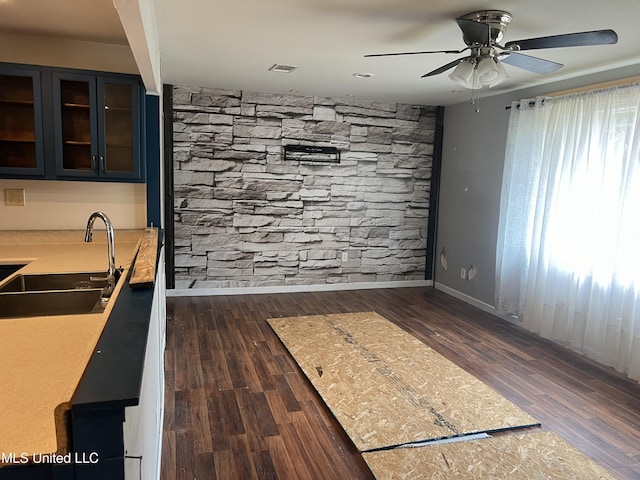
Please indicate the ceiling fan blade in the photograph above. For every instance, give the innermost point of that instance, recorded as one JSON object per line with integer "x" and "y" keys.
{"x": 527, "y": 62}
{"x": 443, "y": 68}
{"x": 474, "y": 32}
{"x": 580, "y": 39}
{"x": 414, "y": 53}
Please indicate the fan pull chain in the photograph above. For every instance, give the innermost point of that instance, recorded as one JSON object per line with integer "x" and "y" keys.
{"x": 475, "y": 100}
{"x": 477, "y": 104}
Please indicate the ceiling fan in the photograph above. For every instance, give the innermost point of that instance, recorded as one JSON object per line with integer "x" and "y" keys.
{"x": 483, "y": 31}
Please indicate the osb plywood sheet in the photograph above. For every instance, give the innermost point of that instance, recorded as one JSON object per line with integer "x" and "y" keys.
{"x": 387, "y": 388}
{"x": 540, "y": 455}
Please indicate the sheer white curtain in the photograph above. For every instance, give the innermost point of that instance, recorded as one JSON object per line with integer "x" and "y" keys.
{"x": 568, "y": 253}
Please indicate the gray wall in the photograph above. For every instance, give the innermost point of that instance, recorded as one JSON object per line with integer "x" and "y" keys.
{"x": 471, "y": 180}
{"x": 245, "y": 216}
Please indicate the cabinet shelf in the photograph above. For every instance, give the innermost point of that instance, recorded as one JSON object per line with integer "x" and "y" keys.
{"x": 77, "y": 143}
{"x": 17, "y": 140}
{"x": 81, "y": 106}
{"x": 18, "y": 137}
{"x": 16, "y": 102}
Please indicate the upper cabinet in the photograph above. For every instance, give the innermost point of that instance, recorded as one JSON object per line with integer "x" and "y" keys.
{"x": 21, "y": 138}
{"x": 97, "y": 126}
{"x": 91, "y": 126}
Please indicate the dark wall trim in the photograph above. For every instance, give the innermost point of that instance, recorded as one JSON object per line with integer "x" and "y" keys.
{"x": 169, "y": 243}
{"x": 152, "y": 150}
{"x": 436, "y": 166}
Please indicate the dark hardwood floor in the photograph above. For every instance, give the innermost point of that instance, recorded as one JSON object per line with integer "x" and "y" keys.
{"x": 238, "y": 407}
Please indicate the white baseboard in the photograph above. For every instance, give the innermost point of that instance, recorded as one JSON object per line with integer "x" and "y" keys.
{"x": 195, "y": 292}
{"x": 474, "y": 301}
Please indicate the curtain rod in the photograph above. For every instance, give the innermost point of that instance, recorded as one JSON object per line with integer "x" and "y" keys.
{"x": 623, "y": 82}
{"x": 531, "y": 102}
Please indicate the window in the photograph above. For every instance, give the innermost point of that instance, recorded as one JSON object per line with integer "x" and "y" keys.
{"x": 568, "y": 254}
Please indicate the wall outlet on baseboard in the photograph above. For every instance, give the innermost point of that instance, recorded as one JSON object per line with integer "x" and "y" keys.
{"x": 14, "y": 197}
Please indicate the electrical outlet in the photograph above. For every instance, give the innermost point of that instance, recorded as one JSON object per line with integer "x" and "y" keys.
{"x": 345, "y": 256}
{"x": 471, "y": 272}
{"x": 14, "y": 197}
{"x": 463, "y": 273}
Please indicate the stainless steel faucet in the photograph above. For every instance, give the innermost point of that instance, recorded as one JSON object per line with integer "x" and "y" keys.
{"x": 112, "y": 273}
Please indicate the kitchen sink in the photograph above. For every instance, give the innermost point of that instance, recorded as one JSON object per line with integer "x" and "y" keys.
{"x": 52, "y": 302}
{"x": 55, "y": 281}
{"x": 6, "y": 270}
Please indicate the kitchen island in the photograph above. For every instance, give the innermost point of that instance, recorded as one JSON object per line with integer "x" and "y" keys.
{"x": 68, "y": 379}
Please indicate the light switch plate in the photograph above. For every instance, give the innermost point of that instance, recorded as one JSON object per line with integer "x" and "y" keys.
{"x": 14, "y": 197}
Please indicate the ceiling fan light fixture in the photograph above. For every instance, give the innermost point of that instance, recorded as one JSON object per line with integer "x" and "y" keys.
{"x": 502, "y": 74}
{"x": 487, "y": 71}
{"x": 491, "y": 72}
{"x": 477, "y": 72}
{"x": 464, "y": 73}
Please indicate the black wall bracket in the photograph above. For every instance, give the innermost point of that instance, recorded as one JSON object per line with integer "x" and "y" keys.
{"x": 312, "y": 154}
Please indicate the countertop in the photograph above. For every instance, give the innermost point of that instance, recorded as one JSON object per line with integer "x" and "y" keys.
{"x": 42, "y": 359}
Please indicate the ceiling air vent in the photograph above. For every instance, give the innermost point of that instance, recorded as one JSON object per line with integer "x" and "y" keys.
{"x": 282, "y": 68}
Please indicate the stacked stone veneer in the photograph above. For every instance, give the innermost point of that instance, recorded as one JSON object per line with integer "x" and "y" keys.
{"x": 246, "y": 217}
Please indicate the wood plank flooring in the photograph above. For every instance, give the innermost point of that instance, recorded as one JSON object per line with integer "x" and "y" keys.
{"x": 238, "y": 407}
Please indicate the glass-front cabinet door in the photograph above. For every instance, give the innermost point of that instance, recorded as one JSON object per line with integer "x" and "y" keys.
{"x": 76, "y": 130}
{"x": 21, "y": 138}
{"x": 97, "y": 128}
{"x": 118, "y": 119}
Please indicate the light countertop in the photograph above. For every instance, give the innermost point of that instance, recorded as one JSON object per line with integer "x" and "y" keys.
{"x": 43, "y": 358}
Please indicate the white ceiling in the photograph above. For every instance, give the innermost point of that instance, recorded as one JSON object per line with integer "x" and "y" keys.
{"x": 90, "y": 20}
{"x": 232, "y": 43}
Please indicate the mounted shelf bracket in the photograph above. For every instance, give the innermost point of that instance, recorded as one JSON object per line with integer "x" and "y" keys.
{"x": 311, "y": 154}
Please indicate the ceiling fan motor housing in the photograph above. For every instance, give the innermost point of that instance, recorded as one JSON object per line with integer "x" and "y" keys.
{"x": 496, "y": 20}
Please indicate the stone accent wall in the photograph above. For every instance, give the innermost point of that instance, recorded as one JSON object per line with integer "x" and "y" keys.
{"x": 245, "y": 217}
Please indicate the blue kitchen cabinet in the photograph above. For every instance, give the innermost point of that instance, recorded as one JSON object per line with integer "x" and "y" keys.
{"x": 97, "y": 127}
{"x": 21, "y": 127}
{"x": 83, "y": 125}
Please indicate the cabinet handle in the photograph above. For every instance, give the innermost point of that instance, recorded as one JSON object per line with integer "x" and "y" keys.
{"x": 94, "y": 163}
{"x": 103, "y": 164}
